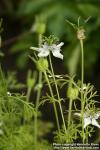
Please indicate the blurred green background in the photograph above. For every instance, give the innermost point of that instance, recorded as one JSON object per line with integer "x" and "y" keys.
{"x": 20, "y": 18}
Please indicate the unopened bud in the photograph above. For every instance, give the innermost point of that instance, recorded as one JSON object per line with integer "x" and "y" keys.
{"x": 42, "y": 64}
{"x": 81, "y": 34}
{"x": 72, "y": 93}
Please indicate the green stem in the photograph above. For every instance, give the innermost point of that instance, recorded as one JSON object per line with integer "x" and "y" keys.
{"x": 54, "y": 105}
{"x": 28, "y": 94}
{"x": 82, "y": 63}
{"x": 82, "y": 81}
{"x": 36, "y": 109}
{"x": 69, "y": 118}
{"x": 40, "y": 39}
{"x": 59, "y": 102}
{"x": 70, "y": 110}
{"x": 37, "y": 101}
{"x": 87, "y": 137}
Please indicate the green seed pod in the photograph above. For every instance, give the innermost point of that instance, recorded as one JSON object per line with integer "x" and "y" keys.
{"x": 42, "y": 64}
{"x": 39, "y": 25}
{"x": 72, "y": 93}
{"x": 39, "y": 28}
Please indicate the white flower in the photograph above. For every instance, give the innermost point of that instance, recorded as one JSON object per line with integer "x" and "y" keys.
{"x": 90, "y": 119}
{"x": 45, "y": 50}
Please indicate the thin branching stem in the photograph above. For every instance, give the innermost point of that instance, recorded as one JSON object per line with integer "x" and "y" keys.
{"x": 69, "y": 113}
{"x": 28, "y": 94}
{"x": 54, "y": 104}
{"x": 59, "y": 99}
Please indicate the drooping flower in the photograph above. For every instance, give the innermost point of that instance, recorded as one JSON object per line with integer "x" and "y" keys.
{"x": 90, "y": 119}
{"x": 45, "y": 49}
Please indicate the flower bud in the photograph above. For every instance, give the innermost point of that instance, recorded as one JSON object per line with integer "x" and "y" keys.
{"x": 41, "y": 28}
{"x": 81, "y": 34}
{"x": 39, "y": 25}
{"x": 42, "y": 64}
{"x": 72, "y": 93}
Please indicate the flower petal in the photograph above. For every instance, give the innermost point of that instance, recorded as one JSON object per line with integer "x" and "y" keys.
{"x": 77, "y": 114}
{"x": 87, "y": 121}
{"x": 95, "y": 123}
{"x": 97, "y": 115}
{"x": 43, "y": 53}
{"x": 60, "y": 44}
{"x": 57, "y": 54}
{"x": 34, "y": 48}
{"x": 45, "y": 46}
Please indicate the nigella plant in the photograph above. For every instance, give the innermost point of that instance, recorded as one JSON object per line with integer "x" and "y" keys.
{"x": 79, "y": 92}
